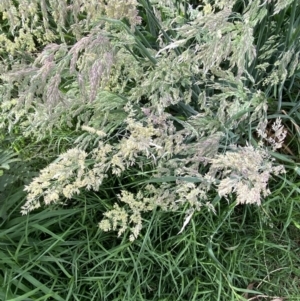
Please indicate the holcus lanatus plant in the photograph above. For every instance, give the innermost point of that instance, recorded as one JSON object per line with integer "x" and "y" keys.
{"x": 176, "y": 96}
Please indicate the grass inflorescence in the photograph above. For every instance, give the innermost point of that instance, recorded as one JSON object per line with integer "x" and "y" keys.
{"x": 149, "y": 150}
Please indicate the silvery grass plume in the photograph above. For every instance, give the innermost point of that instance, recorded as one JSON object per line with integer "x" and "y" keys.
{"x": 52, "y": 86}
{"x": 165, "y": 101}
{"x": 43, "y": 98}
{"x": 45, "y": 21}
{"x": 178, "y": 181}
{"x": 244, "y": 171}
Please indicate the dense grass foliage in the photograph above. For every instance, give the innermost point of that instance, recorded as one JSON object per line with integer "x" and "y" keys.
{"x": 58, "y": 254}
{"x": 149, "y": 150}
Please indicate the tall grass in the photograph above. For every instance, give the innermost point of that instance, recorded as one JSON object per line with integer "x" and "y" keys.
{"x": 60, "y": 255}
{"x": 160, "y": 91}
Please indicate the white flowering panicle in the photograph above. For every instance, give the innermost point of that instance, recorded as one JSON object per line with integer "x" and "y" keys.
{"x": 163, "y": 108}
{"x": 275, "y": 136}
{"x": 244, "y": 171}
{"x": 56, "y": 179}
{"x": 121, "y": 219}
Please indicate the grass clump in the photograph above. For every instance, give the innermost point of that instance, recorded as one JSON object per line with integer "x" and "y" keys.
{"x": 238, "y": 252}
{"x": 161, "y": 122}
